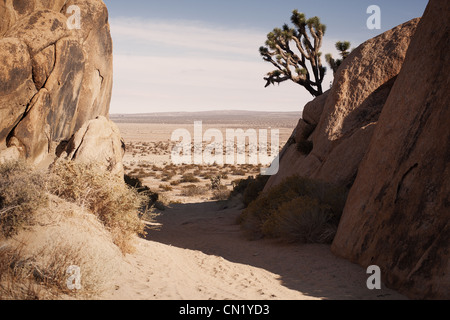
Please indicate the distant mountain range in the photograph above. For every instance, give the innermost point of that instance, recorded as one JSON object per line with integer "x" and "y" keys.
{"x": 210, "y": 117}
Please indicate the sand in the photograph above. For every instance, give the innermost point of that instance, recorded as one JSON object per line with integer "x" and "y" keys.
{"x": 199, "y": 253}
{"x": 196, "y": 251}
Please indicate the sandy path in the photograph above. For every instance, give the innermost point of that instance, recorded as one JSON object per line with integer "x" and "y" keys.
{"x": 199, "y": 254}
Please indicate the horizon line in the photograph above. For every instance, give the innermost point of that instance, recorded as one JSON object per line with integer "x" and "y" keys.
{"x": 203, "y": 111}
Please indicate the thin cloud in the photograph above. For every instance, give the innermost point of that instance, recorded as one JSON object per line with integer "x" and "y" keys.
{"x": 189, "y": 36}
{"x": 185, "y": 65}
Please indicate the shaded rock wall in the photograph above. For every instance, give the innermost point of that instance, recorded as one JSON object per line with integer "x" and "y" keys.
{"x": 398, "y": 211}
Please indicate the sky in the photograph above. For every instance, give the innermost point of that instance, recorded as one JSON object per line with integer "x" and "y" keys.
{"x": 202, "y": 55}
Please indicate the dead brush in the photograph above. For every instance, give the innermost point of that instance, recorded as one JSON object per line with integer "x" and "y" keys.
{"x": 105, "y": 195}
{"x": 16, "y": 282}
{"x": 22, "y": 192}
{"x": 43, "y": 274}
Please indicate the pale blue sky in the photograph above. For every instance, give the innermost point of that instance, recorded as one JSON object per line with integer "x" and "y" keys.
{"x": 193, "y": 55}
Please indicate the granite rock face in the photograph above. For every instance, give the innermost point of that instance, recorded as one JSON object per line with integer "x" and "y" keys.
{"x": 97, "y": 141}
{"x": 53, "y": 77}
{"x": 339, "y": 124}
{"x": 398, "y": 211}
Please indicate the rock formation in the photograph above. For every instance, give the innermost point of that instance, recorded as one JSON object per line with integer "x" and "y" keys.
{"x": 383, "y": 131}
{"x": 53, "y": 78}
{"x": 340, "y": 123}
{"x": 97, "y": 141}
{"x": 397, "y": 214}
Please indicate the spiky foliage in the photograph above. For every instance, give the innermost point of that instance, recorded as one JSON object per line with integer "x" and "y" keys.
{"x": 343, "y": 47}
{"x": 295, "y": 52}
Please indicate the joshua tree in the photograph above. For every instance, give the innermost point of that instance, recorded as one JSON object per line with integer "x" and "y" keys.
{"x": 343, "y": 47}
{"x": 290, "y": 49}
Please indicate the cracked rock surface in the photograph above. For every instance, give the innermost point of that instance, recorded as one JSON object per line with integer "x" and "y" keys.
{"x": 53, "y": 79}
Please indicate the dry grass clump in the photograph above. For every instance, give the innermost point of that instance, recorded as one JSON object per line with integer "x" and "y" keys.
{"x": 22, "y": 192}
{"x": 29, "y": 277}
{"x": 298, "y": 210}
{"x": 103, "y": 194}
{"x": 73, "y": 215}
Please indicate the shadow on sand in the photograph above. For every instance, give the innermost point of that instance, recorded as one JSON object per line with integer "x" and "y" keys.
{"x": 313, "y": 270}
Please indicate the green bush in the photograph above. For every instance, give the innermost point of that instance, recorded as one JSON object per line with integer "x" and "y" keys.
{"x": 22, "y": 193}
{"x": 299, "y": 209}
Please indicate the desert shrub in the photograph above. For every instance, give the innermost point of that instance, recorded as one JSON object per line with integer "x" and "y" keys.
{"x": 107, "y": 196}
{"x": 303, "y": 220}
{"x": 240, "y": 185}
{"x": 192, "y": 191}
{"x": 205, "y": 175}
{"x": 162, "y": 204}
{"x": 175, "y": 183}
{"x": 141, "y": 173}
{"x": 238, "y": 172}
{"x": 133, "y": 182}
{"x": 299, "y": 209}
{"x": 168, "y": 175}
{"x": 254, "y": 189}
{"x": 165, "y": 187}
{"x": 221, "y": 193}
{"x": 150, "y": 197}
{"x": 189, "y": 178}
{"x": 22, "y": 192}
{"x": 250, "y": 188}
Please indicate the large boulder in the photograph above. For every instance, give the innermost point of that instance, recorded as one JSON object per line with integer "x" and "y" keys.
{"x": 397, "y": 214}
{"x": 53, "y": 79}
{"x": 97, "y": 141}
{"x": 345, "y": 117}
